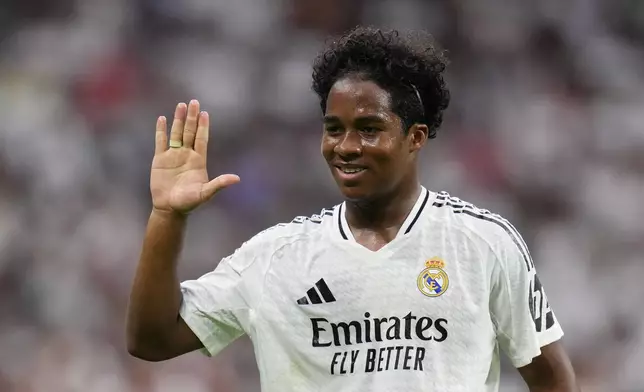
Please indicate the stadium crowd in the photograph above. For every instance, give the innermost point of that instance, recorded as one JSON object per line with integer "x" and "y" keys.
{"x": 546, "y": 127}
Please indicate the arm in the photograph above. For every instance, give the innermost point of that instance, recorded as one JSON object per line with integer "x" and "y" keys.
{"x": 526, "y": 326}
{"x": 178, "y": 183}
{"x": 154, "y": 329}
{"x": 550, "y": 372}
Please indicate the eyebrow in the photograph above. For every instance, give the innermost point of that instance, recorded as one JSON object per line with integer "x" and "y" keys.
{"x": 372, "y": 118}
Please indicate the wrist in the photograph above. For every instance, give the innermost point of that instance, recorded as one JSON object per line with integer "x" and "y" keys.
{"x": 171, "y": 216}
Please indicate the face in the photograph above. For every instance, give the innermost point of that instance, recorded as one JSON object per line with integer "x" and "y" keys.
{"x": 364, "y": 143}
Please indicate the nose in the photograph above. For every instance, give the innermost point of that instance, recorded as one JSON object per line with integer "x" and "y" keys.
{"x": 350, "y": 145}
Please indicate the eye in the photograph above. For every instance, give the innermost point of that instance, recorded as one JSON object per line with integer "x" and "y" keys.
{"x": 369, "y": 129}
{"x": 332, "y": 129}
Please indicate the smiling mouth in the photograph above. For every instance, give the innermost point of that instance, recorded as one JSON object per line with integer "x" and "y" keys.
{"x": 351, "y": 170}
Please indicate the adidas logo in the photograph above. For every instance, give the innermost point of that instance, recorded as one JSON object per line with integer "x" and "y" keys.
{"x": 312, "y": 296}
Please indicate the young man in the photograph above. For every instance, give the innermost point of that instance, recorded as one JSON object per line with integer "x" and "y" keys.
{"x": 398, "y": 288}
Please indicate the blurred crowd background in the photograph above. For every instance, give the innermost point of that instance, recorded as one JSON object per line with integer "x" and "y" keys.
{"x": 546, "y": 127}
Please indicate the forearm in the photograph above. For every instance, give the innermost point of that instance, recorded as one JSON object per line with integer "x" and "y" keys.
{"x": 155, "y": 298}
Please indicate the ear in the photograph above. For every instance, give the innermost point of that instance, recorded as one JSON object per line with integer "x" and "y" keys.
{"x": 417, "y": 136}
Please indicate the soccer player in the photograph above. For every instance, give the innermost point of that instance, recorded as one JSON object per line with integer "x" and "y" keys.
{"x": 398, "y": 288}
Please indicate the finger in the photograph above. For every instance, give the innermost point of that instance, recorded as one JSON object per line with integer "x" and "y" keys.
{"x": 201, "y": 138}
{"x": 215, "y": 185}
{"x": 176, "y": 133}
{"x": 161, "y": 136}
{"x": 190, "y": 128}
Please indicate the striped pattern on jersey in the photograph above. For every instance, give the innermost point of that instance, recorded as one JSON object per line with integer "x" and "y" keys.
{"x": 537, "y": 301}
{"x": 315, "y": 218}
{"x": 461, "y": 207}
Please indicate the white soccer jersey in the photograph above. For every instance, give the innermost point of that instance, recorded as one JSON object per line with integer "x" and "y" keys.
{"x": 427, "y": 312}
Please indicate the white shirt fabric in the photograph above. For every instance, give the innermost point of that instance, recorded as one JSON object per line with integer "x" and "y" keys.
{"x": 427, "y": 312}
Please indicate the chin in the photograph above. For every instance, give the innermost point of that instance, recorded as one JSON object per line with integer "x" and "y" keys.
{"x": 356, "y": 192}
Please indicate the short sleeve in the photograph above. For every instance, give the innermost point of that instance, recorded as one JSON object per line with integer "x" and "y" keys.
{"x": 217, "y": 306}
{"x": 519, "y": 307}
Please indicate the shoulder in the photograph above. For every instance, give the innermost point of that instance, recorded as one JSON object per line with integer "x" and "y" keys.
{"x": 494, "y": 229}
{"x": 301, "y": 229}
{"x": 298, "y": 228}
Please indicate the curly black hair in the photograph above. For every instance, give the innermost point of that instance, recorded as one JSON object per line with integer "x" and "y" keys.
{"x": 410, "y": 67}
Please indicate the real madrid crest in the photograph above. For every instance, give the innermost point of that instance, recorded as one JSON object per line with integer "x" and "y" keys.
{"x": 433, "y": 280}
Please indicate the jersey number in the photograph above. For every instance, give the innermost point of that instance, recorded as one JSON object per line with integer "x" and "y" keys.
{"x": 539, "y": 306}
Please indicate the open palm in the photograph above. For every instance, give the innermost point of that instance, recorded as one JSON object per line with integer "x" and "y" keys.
{"x": 179, "y": 178}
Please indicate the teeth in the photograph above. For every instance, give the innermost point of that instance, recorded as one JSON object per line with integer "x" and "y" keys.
{"x": 351, "y": 171}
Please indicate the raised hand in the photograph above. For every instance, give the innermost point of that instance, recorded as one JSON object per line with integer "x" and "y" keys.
{"x": 179, "y": 178}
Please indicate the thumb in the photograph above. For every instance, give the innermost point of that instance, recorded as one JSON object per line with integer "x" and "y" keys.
{"x": 209, "y": 189}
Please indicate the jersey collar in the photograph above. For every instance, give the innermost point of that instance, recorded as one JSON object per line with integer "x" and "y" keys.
{"x": 410, "y": 222}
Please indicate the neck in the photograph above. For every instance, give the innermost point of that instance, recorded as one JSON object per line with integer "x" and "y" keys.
{"x": 384, "y": 212}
